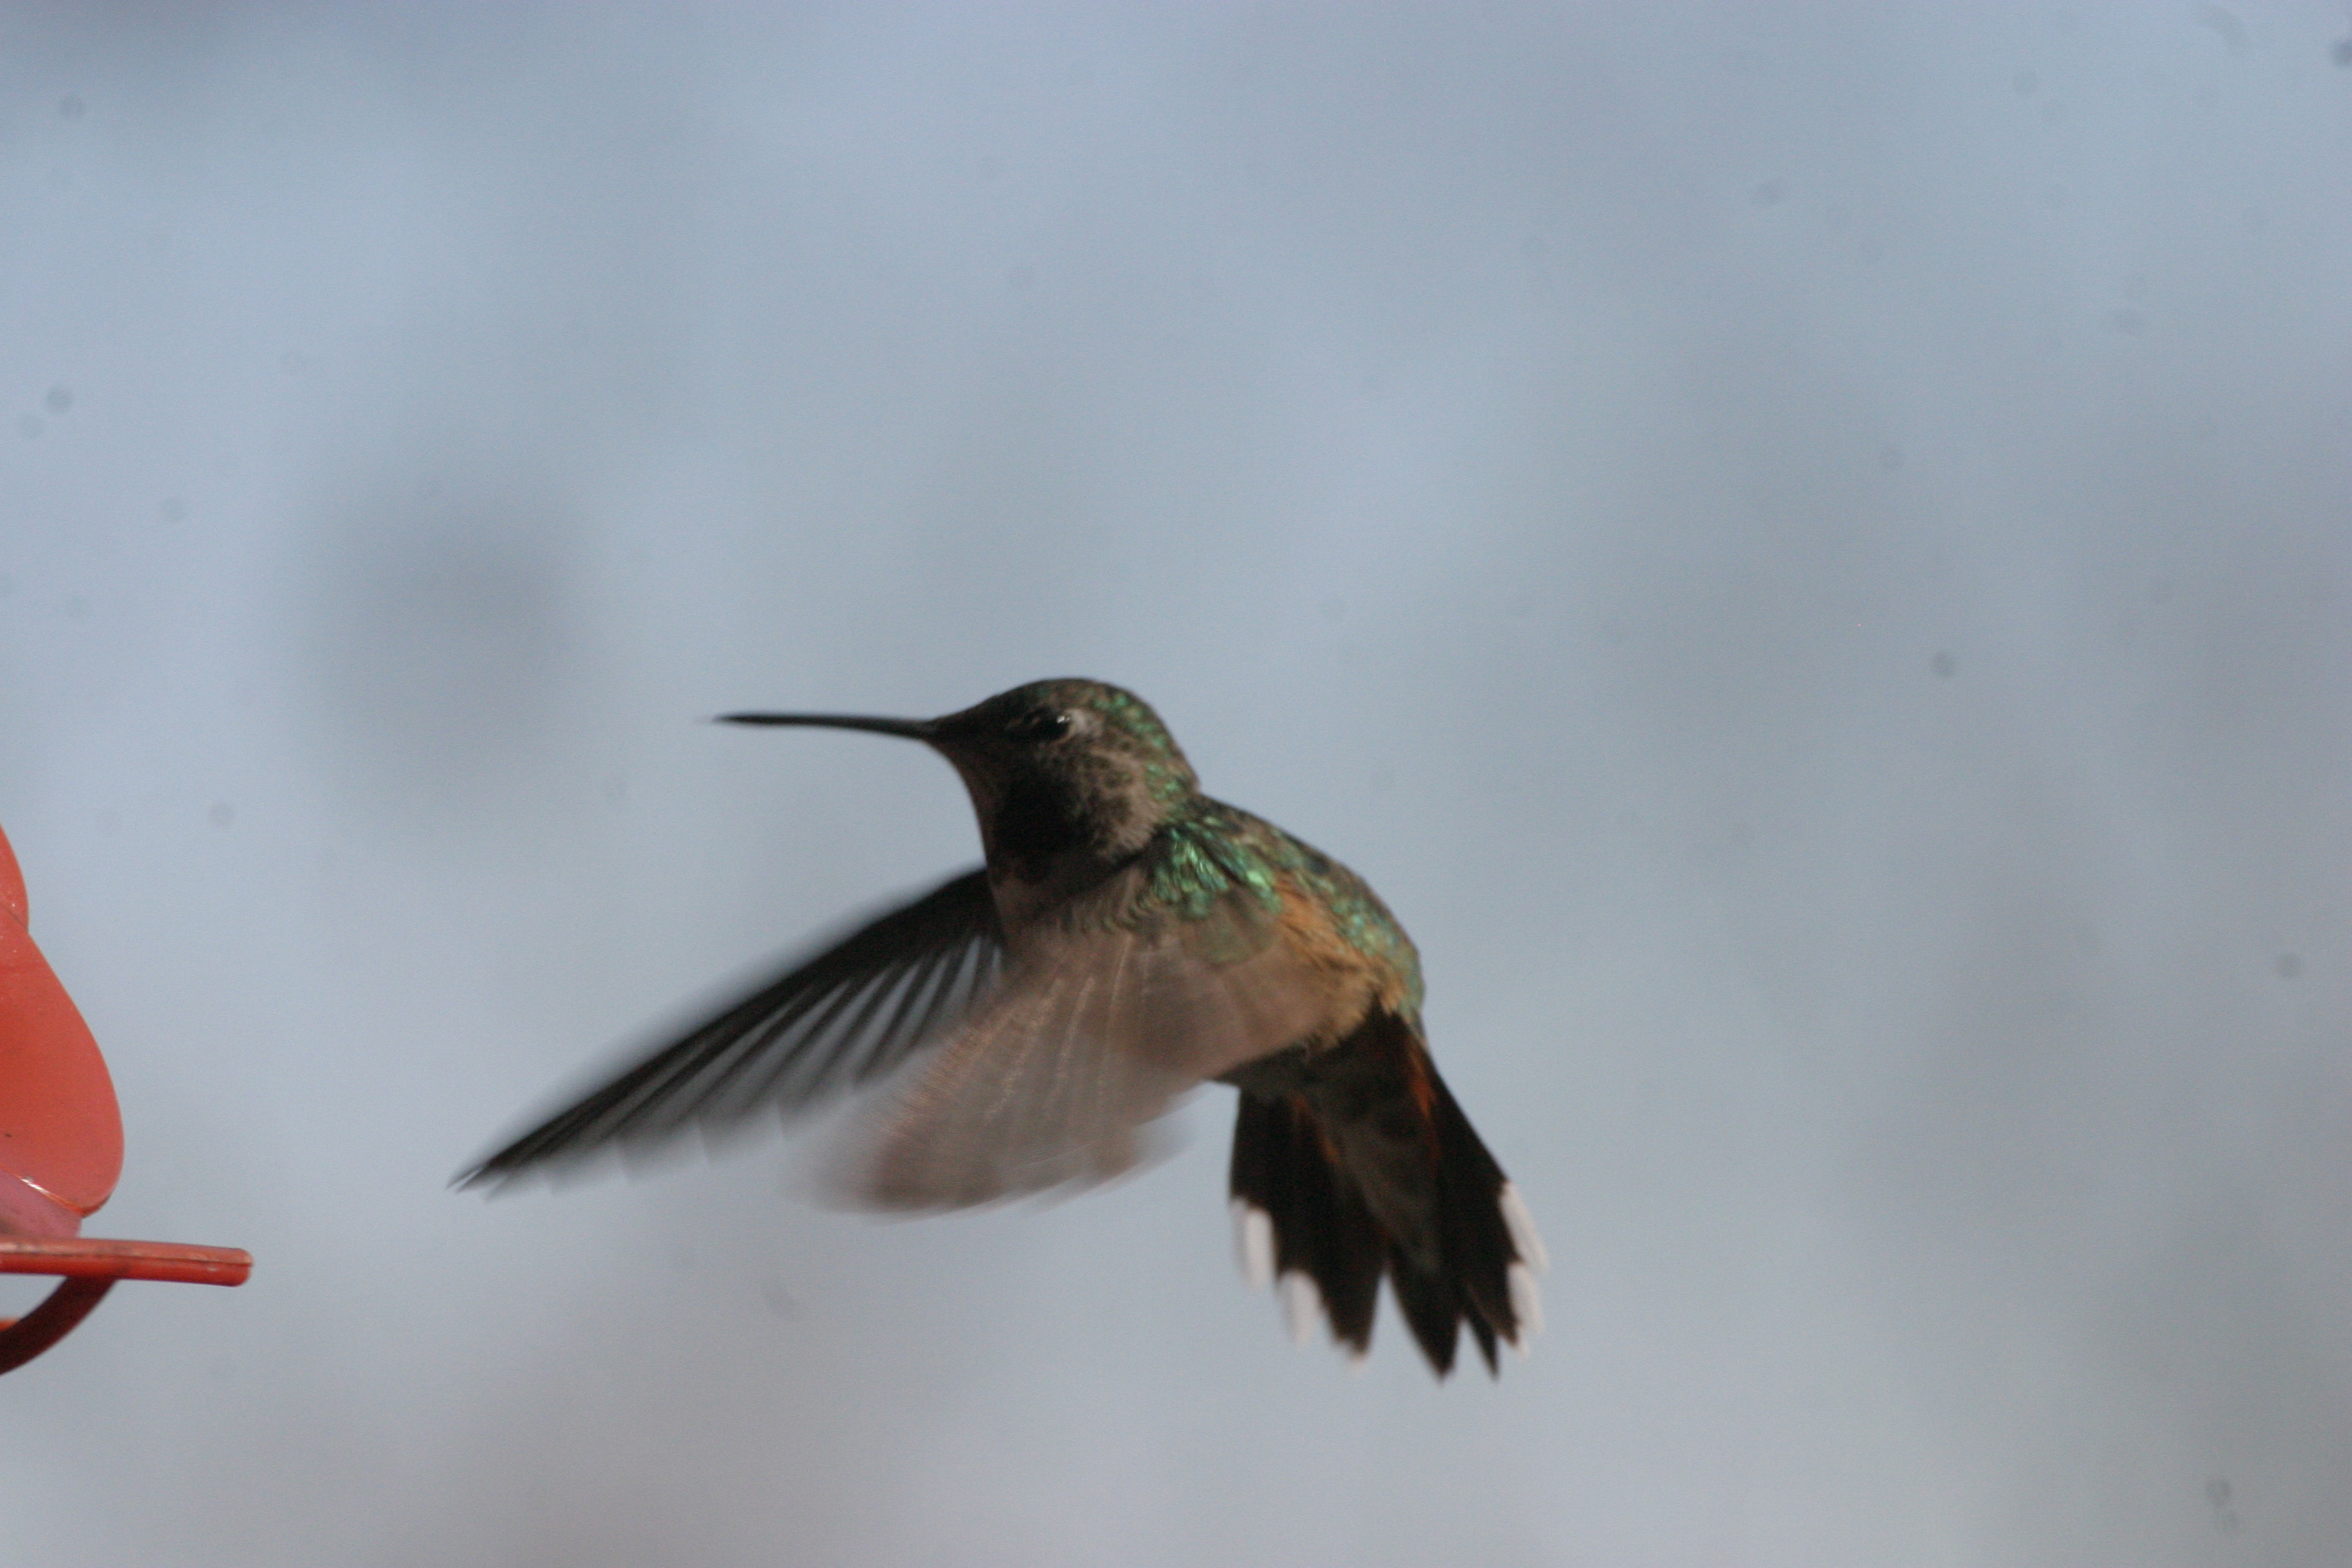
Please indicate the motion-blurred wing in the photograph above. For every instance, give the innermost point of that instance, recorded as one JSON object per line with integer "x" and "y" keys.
{"x": 1106, "y": 1011}
{"x": 851, "y": 1012}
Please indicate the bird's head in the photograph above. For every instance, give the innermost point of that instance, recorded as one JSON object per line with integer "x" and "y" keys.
{"x": 1054, "y": 767}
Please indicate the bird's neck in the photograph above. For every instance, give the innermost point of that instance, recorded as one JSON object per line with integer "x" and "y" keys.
{"x": 1047, "y": 842}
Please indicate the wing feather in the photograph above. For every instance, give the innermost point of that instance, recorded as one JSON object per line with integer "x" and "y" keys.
{"x": 843, "y": 1018}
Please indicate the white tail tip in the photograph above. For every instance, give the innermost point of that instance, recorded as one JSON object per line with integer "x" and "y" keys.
{"x": 1526, "y": 1306}
{"x": 1302, "y": 1304}
{"x": 1522, "y": 1226}
{"x": 1253, "y": 1243}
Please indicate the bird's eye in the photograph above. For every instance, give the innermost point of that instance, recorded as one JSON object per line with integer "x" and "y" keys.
{"x": 1040, "y": 724}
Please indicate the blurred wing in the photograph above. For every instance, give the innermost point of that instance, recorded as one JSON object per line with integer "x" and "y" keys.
{"x": 1106, "y": 1014}
{"x": 851, "y": 1012}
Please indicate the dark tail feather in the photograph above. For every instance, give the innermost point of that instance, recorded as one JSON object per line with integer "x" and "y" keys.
{"x": 1317, "y": 1224}
{"x": 1360, "y": 1164}
{"x": 1473, "y": 1227}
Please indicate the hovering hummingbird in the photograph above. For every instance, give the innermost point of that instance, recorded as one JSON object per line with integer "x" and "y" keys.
{"x": 1128, "y": 938}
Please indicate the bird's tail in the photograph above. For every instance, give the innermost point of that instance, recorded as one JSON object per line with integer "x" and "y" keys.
{"x": 1355, "y": 1161}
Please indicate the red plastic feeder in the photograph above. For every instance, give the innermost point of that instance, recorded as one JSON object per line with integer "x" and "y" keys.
{"x": 61, "y": 1150}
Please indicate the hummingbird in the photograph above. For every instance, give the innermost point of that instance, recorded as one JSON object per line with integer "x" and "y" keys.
{"x": 1128, "y": 938}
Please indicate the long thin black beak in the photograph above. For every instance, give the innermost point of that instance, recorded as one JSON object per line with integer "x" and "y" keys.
{"x": 912, "y": 729}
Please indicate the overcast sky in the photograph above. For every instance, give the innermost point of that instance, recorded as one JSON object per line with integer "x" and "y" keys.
{"x": 1805, "y": 550}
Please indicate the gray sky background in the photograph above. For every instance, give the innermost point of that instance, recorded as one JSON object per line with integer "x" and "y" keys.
{"x": 1805, "y": 550}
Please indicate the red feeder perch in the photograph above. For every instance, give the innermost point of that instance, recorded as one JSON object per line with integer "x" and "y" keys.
{"x": 61, "y": 1150}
